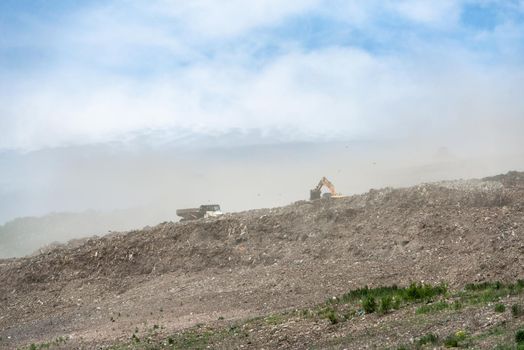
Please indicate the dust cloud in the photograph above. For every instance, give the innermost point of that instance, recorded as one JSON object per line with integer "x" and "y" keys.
{"x": 98, "y": 188}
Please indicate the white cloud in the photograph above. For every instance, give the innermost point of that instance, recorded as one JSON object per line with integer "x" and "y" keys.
{"x": 430, "y": 12}
{"x": 333, "y": 90}
{"x": 226, "y": 18}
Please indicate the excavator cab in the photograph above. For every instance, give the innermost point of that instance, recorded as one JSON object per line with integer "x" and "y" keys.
{"x": 314, "y": 194}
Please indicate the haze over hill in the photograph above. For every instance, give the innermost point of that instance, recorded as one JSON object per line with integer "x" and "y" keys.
{"x": 150, "y": 106}
{"x": 143, "y": 180}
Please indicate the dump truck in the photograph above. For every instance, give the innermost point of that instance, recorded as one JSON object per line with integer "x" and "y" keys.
{"x": 204, "y": 211}
{"x": 316, "y": 193}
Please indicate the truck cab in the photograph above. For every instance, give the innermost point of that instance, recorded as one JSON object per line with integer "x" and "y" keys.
{"x": 210, "y": 210}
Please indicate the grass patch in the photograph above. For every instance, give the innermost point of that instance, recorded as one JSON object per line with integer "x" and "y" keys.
{"x": 519, "y": 336}
{"x": 456, "y": 340}
{"x": 55, "y": 343}
{"x": 385, "y": 299}
{"x": 413, "y": 293}
{"x": 386, "y": 304}
{"x": 517, "y": 310}
{"x": 424, "y": 299}
{"x": 369, "y": 304}
{"x": 429, "y": 338}
{"x": 429, "y": 308}
{"x": 275, "y": 319}
{"x": 500, "y": 308}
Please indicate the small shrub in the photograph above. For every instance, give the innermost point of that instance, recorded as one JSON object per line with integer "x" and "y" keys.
{"x": 439, "y": 306}
{"x": 500, "y": 307}
{"x": 517, "y": 310}
{"x": 453, "y": 341}
{"x": 385, "y": 304}
{"x": 332, "y": 316}
{"x": 395, "y": 303}
{"x": 503, "y": 347}
{"x": 519, "y": 336}
{"x": 461, "y": 335}
{"x": 429, "y": 338}
{"x": 483, "y": 286}
{"x": 369, "y": 305}
{"x": 135, "y": 338}
{"x": 457, "y": 305}
{"x": 278, "y": 319}
{"x": 348, "y": 314}
{"x": 424, "y": 291}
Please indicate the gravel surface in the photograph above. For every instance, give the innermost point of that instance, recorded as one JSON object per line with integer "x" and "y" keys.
{"x": 260, "y": 261}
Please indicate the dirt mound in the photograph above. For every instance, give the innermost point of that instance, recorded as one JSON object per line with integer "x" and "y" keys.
{"x": 268, "y": 259}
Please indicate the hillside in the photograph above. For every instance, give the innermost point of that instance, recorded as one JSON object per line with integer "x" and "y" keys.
{"x": 28, "y": 235}
{"x": 226, "y": 271}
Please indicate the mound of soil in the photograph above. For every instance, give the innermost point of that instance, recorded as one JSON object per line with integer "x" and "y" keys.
{"x": 249, "y": 263}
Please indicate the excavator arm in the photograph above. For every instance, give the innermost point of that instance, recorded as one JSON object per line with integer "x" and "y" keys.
{"x": 329, "y": 186}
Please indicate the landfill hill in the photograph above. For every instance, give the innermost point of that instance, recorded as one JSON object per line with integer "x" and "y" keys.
{"x": 193, "y": 280}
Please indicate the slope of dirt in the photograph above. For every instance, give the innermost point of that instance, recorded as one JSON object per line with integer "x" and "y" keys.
{"x": 260, "y": 261}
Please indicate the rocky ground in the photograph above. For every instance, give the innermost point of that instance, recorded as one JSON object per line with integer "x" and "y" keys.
{"x": 209, "y": 275}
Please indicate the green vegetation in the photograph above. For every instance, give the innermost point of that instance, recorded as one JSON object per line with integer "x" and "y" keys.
{"x": 429, "y": 338}
{"x": 414, "y": 292}
{"x": 517, "y": 310}
{"x": 275, "y": 319}
{"x": 456, "y": 340}
{"x": 54, "y": 344}
{"x": 488, "y": 292}
{"x": 519, "y": 336}
{"x": 500, "y": 307}
{"x": 386, "y": 303}
{"x": 417, "y": 299}
{"x": 438, "y": 306}
{"x": 369, "y": 304}
{"x": 332, "y": 317}
{"x": 389, "y": 297}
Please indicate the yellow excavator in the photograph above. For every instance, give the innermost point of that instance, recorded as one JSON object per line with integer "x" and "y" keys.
{"x": 317, "y": 191}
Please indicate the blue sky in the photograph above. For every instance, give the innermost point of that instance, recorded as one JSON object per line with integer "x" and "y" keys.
{"x": 78, "y": 72}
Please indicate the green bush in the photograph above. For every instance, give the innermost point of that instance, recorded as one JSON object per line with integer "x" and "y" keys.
{"x": 395, "y": 303}
{"x": 419, "y": 291}
{"x": 454, "y": 340}
{"x": 332, "y": 316}
{"x": 429, "y": 338}
{"x": 385, "y": 304}
{"x": 517, "y": 310}
{"x": 451, "y": 342}
{"x": 503, "y": 347}
{"x": 519, "y": 336}
{"x": 483, "y": 286}
{"x": 457, "y": 305}
{"x": 438, "y": 306}
{"x": 369, "y": 304}
{"x": 500, "y": 307}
